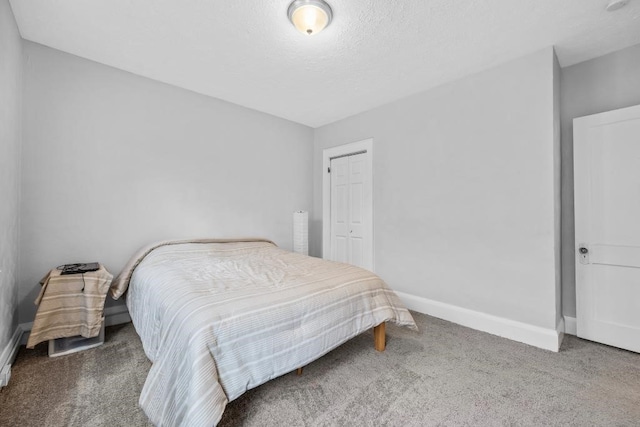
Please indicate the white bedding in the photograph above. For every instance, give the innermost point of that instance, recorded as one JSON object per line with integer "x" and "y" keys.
{"x": 217, "y": 319}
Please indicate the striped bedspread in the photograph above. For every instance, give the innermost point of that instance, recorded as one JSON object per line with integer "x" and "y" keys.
{"x": 217, "y": 319}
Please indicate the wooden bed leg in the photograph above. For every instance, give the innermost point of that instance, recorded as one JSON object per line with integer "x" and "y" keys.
{"x": 379, "y": 338}
{"x": 299, "y": 371}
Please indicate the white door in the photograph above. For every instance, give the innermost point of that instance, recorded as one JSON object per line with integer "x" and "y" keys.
{"x": 351, "y": 211}
{"x": 607, "y": 210}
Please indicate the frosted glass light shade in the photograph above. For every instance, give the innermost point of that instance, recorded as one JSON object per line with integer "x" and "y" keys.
{"x": 310, "y": 16}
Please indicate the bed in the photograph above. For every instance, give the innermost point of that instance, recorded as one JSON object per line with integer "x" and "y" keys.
{"x": 219, "y": 317}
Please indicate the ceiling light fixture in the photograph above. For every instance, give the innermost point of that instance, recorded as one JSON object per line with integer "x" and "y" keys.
{"x": 615, "y": 5}
{"x": 310, "y": 16}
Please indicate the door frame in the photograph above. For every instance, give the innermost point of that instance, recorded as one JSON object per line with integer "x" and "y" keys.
{"x": 327, "y": 155}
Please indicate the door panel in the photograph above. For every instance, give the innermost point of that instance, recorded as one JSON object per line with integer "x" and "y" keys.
{"x": 616, "y": 311}
{"x": 340, "y": 253}
{"x": 340, "y": 210}
{"x": 607, "y": 208}
{"x": 356, "y": 251}
{"x": 356, "y": 203}
{"x": 614, "y": 162}
{"x": 356, "y": 183}
{"x": 622, "y": 256}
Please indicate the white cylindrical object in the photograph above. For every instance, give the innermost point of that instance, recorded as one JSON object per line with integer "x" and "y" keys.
{"x": 301, "y": 232}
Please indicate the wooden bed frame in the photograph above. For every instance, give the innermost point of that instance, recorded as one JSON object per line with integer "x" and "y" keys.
{"x": 379, "y": 341}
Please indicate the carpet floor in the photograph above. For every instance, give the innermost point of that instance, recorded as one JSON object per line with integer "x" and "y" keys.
{"x": 443, "y": 375}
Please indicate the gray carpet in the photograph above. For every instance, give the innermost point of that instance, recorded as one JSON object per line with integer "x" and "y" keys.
{"x": 443, "y": 375}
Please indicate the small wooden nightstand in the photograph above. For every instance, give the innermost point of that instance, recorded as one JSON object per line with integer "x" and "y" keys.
{"x": 70, "y": 311}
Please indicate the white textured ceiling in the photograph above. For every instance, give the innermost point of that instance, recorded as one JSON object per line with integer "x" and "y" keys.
{"x": 374, "y": 52}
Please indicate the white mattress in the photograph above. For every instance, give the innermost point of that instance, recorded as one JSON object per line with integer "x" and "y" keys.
{"x": 217, "y": 319}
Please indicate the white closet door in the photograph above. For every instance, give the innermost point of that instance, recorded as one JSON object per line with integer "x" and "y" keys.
{"x": 340, "y": 209}
{"x": 351, "y": 212}
{"x": 356, "y": 207}
{"x": 607, "y": 209}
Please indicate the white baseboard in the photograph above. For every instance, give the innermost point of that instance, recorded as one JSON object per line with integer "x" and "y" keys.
{"x": 548, "y": 339}
{"x": 112, "y": 316}
{"x": 8, "y": 355}
{"x": 570, "y": 325}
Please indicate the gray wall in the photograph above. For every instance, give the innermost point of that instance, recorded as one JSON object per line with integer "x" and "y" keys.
{"x": 10, "y": 140}
{"x": 464, "y": 190}
{"x": 113, "y": 161}
{"x": 602, "y": 84}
